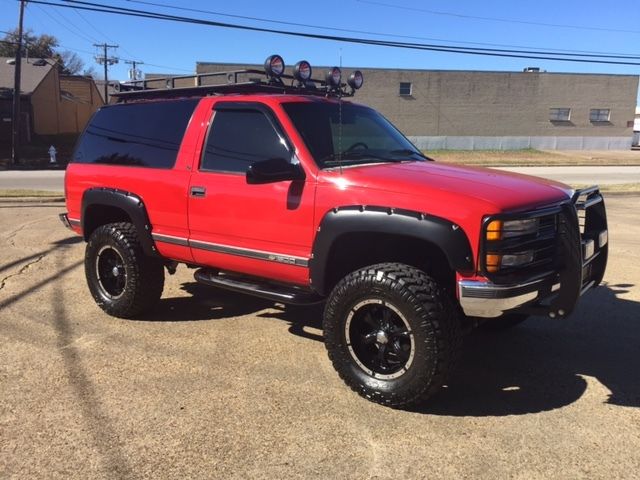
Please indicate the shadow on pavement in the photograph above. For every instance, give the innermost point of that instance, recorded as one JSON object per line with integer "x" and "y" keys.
{"x": 539, "y": 365}
{"x": 104, "y": 436}
{"x": 209, "y": 303}
{"x": 205, "y": 303}
{"x": 56, "y": 244}
{"x": 535, "y": 367}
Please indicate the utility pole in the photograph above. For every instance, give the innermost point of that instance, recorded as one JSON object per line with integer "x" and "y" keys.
{"x": 106, "y": 61}
{"x": 134, "y": 73}
{"x": 15, "y": 123}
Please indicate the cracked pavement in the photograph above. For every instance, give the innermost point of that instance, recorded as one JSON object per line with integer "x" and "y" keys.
{"x": 219, "y": 385}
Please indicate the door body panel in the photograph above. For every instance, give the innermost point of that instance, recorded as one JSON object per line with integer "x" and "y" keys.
{"x": 264, "y": 230}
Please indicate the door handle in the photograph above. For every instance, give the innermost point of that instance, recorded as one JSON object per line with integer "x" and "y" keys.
{"x": 198, "y": 191}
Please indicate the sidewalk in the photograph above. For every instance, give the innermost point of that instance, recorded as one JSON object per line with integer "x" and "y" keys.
{"x": 50, "y": 180}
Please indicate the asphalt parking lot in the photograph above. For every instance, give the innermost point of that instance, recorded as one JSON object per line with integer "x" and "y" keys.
{"x": 216, "y": 385}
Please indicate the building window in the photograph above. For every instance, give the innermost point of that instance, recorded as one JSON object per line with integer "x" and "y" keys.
{"x": 559, "y": 114}
{"x": 599, "y": 114}
{"x": 405, "y": 89}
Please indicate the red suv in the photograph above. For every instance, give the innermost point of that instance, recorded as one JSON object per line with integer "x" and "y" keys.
{"x": 279, "y": 187}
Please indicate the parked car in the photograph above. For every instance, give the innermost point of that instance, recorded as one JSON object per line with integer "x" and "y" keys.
{"x": 284, "y": 189}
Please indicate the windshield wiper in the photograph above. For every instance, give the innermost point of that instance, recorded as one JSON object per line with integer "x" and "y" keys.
{"x": 354, "y": 157}
{"x": 408, "y": 151}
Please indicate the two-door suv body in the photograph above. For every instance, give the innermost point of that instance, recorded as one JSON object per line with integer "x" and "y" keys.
{"x": 292, "y": 193}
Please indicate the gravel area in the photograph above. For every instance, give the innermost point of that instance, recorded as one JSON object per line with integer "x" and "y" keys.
{"x": 217, "y": 385}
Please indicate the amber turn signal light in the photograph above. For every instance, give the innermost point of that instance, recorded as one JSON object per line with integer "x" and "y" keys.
{"x": 494, "y": 230}
{"x": 492, "y": 262}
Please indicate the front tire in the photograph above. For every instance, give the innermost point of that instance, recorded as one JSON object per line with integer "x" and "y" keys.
{"x": 123, "y": 281}
{"x": 391, "y": 333}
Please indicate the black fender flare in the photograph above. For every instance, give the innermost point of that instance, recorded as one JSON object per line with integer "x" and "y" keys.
{"x": 130, "y": 203}
{"x": 444, "y": 234}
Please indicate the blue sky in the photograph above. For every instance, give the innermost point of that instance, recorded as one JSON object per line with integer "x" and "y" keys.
{"x": 174, "y": 47}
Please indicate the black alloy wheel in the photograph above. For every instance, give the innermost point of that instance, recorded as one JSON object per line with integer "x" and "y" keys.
{"x": 123, "y": 281}
{"x": 111, "y": 272}
{"x": 379, "y": 339}
{"x": 392, "y": 333}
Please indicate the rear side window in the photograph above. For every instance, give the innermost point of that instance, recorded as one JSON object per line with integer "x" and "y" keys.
{"x": 238, "y": 138}
{"x": 139, "y": 135}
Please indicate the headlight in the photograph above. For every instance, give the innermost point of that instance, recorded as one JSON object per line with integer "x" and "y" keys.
{"x": 499, "y": 229}
{"x": 501, "y": 247}
{"x": 494, "y": 262}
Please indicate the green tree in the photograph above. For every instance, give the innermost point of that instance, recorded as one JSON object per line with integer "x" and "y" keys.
{"x": 43, "y": 46}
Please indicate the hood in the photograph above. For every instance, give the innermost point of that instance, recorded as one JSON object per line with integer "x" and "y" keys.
{"x": 506, "y": 191}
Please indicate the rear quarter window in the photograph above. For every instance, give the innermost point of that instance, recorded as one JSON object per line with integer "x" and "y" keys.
{"x": 138, "y": 134}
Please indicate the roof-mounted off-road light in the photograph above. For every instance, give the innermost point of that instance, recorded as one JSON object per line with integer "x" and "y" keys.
{"x": 274, "y": 66}
{"x": 356, "y": 80}
{"x": 302, "y": 71}
{"x": 334, "y": 76}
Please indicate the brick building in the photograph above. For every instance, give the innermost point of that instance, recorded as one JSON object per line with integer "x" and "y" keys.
{"x": 497, "y": 110}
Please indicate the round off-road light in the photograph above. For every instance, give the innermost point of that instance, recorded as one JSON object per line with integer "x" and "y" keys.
{"x": 334, "y": 76}
{"x": 302, "y": 71}
{"x": 274, "y": 66}
{"x": 356, "y": 80}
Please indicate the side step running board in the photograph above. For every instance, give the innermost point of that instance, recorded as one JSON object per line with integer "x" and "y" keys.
{"x": 253, "y": 286}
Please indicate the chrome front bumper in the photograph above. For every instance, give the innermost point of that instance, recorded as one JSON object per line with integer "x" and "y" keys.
{"x": 582, "y": 252}
{"x": 488, "y": 300}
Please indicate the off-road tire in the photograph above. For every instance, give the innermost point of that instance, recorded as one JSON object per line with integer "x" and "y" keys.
{"x": 144, "y": 275}
{"x": 429, "y": 312}
{"x": 505, "y": 322}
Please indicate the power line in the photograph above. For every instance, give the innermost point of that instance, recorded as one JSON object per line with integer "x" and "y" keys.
{"x": 134, "y": 73}
{"x": 96, "y": 7}
{"x": 106, "y": 61}
{"x": 79, "y": 35}
{"x": 92, "y": 26}
{"x": 497, "y": 19}
{"x": 170, "y": 68}
{"x": 125, "y": 60}
{"x": 86, "y": 20}
{"x": 381, "y": 34}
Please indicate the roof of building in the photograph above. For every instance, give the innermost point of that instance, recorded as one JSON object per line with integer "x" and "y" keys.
{"x": 110, "y": 87}
{"x": 421, "y": 70}
{"x": 77, "y": 88}
{"x": 33, "y": 72}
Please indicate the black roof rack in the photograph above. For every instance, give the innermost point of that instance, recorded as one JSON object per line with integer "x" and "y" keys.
{"x": 235, "y": 81}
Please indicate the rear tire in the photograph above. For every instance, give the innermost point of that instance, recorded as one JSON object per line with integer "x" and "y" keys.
{"x": 391, "y": 333}
{"x": 123, "y": 281}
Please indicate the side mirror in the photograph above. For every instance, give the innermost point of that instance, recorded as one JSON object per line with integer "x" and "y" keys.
{"x": 273, "y": 170}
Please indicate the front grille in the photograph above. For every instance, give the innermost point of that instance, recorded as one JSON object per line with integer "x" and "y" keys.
{"x": 562, "y": 249}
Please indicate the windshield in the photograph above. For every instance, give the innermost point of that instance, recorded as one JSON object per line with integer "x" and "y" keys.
{"x": 349, "y": 135}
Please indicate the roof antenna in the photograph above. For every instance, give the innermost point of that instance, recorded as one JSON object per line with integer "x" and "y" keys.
{"x": 340, "y": 119}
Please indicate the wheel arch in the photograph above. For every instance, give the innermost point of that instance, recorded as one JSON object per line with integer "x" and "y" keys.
{"x": 355, "y": 236}
{"x": 108, "y": 205}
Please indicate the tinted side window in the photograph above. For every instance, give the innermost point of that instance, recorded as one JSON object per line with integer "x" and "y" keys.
{"x": 238, "y": 138}
{"x": 141, "y": 135}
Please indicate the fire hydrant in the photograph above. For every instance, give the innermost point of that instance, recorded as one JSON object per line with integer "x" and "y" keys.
{"x": 52, "y": 154}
